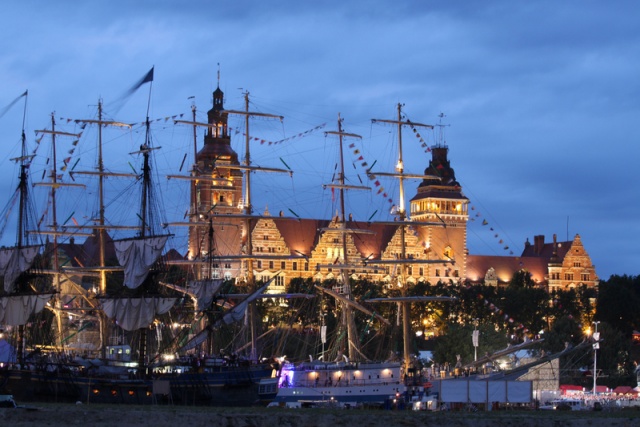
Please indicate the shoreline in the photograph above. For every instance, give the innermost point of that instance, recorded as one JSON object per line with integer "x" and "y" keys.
{"x": 171, "y": 416}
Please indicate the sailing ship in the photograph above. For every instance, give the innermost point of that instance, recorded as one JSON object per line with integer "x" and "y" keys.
{"x": 352, "y": 379}
{"x": 228, "y": 372}
{"x": 201, "y": 372}
{"x": 25, "y": 290}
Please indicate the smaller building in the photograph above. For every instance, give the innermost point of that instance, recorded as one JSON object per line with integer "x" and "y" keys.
{"x": 555, "y": 265}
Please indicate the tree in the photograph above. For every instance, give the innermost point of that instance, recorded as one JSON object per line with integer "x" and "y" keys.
{"x": 457, "y": 340}
{"x": 618, "y": 302}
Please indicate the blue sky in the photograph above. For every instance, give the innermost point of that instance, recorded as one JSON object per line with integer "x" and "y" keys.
{"x": 541, "y": 101}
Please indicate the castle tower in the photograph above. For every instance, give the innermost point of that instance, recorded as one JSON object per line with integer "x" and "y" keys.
{"x": 440, "y": 199}
{"x": 218, "y": 191}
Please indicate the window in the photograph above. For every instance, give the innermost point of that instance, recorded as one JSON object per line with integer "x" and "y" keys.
{"x": 585, "y": 277}
{"x": 409, "y": 271}
{"x": 272, "y": 250}
{"x": 437, "y": 272}
{"x": 306, "y": 266}
{"x": 283, "y": 265}
{"x": 294, "y": 266}
{"x": 270, "y": 265}
{"x": 448, "y": 252}
{"x": 259, "y": 264}
{"x": 576, "y": 264}
{"x": 421, "y": 271}
{"x": 227, "y": 266}
{"x": 221, "y": 199}
{"x": 279, "y": 281}
{"x": 455, "y": 273}
{"x": 265, "y": 237}
{"x": 568, "y": 276}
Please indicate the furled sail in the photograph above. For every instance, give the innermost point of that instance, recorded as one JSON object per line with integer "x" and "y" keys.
{"x": 237, "y": 313}
{"x": 234, "y": 315}
{"x": 137, "y": 256}
{"x": 13, "y": 262}
{"x": 204, "y": 290}
{"x": 136, "y": 313}
{"x": 15, "y": 310}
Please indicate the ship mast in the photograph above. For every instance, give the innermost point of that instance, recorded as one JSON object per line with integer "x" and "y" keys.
{"x": 23, "y": 191}
{"x": 405, "y": 303}
{"x": 353, "y": 350}
{"x": 54, "y": 185}
{"x": 101, "y": 173}
{"x": 248, "y": 210}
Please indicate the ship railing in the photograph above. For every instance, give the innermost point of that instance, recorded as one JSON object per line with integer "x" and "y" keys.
{"x": 342, "y": 383}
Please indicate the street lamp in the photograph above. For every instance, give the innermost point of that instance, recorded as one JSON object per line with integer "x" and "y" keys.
{"x": 474, "y": 339}
{"x": 596, "y": 346}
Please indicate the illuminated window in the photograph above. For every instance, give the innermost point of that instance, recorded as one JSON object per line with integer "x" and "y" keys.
{"x": 448, "y": 252}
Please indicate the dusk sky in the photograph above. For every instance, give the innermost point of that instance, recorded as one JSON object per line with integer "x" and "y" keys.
{"x": 541, "y": 103}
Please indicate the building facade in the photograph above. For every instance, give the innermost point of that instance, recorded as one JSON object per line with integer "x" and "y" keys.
{"x": 290, "y": 248}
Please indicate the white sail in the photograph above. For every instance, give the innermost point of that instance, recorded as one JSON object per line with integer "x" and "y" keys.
{"x": 237, "y": 313}
{"x": 234, "y": 315}
{"x": 136, "y": 313}
{"x": 13, "y": 262}
{"x": 15, "y": 310}
{"x": 204, "y": 290}
{"x": 137, "y": 256}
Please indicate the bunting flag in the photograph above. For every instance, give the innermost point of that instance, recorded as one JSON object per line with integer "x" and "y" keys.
{"x": 299, "y": 135}
{"x": 496, "y": 310}
{"x": 161, "y": 119}
{"x": 423, "y": 144}
{"x": 495, "y": 234}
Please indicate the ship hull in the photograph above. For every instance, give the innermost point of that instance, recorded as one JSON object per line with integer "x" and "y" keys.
{"x": 237, "y": 386}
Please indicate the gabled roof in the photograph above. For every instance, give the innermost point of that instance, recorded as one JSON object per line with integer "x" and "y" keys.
{"x": 547, "y": 250}
{"x": 300, "y": 235}
{"x": 303, "y": 235}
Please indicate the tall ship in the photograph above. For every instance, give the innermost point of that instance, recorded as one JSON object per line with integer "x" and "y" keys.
{"x": 348, "y": 377}
{"x": 136, "y": 322}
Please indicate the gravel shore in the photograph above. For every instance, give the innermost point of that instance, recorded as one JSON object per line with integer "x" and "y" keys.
{"x": 175, "y": 416}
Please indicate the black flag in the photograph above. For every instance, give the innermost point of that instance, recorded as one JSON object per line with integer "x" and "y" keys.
{"x": 146, "y": 79}
{"x": 5, "y": 109}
